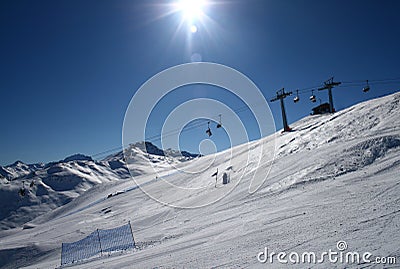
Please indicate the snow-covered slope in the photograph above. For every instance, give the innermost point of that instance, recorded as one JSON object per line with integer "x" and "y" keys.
{"x": 27, "y": 191}
{"x": 335, "y": 177}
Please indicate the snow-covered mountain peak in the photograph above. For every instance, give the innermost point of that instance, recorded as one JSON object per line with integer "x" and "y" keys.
{"x": 150, "y": 148}
{"x": 77, "y": 157}
{"x": 18, "y": 169}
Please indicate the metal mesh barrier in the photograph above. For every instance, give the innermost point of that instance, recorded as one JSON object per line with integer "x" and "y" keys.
{"x": 116, "y": 239}
{"x": 98, "y": 243}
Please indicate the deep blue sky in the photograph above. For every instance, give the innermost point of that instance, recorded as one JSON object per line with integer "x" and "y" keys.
{"x": 69, "y": 68}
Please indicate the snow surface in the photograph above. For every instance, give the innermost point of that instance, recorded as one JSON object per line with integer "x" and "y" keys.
{"x": 49, "y": 186}
{"x": 335, "y": 177}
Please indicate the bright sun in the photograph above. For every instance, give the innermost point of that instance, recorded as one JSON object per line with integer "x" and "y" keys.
{"x": 191, "y": 9}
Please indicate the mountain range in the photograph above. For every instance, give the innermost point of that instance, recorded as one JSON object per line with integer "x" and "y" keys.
{"x": 29, "y": 190}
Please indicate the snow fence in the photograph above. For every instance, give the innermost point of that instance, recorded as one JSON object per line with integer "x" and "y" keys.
{"x": 98, "y": 243}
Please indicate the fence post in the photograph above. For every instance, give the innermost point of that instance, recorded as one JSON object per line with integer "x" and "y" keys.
{"x": 133, "y": 239}
{"x": 62, "y": 250}
{"x": 98, "y": 236}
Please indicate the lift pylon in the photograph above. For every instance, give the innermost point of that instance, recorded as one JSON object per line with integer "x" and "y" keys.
{"x": 329, "y": 85}
{"x": 280, "y": 95}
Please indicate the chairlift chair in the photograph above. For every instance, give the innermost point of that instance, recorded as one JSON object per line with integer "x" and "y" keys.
{"x": 219, "y": 125}
{"x": 297, "y": 98}
{"x": 312, "y": 97}
{"x": 208, "y": 131}
{"x": 366, "y": 88}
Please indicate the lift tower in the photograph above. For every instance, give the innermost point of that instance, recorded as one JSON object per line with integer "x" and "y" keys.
{"x": 280, "y": 95}
{"x": 329, "y": 85}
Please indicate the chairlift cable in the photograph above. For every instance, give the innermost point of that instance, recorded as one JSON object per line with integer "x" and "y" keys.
{"x": 354, "y": 83}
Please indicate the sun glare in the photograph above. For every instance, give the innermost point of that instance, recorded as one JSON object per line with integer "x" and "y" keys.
{"x": 191, "y": 9}
{"x": 193, "y": 29}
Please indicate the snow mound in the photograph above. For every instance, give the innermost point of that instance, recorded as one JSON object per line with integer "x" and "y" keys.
{"x": 364, "y": 153}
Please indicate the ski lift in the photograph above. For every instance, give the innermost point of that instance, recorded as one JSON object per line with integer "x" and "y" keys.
{"x": 208, "y": 131}
{"x": 219, "y": 125}
{"x": 297, "y": 98}
{"x": 366, "y": 88}
{"x": 312, "y": 97}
